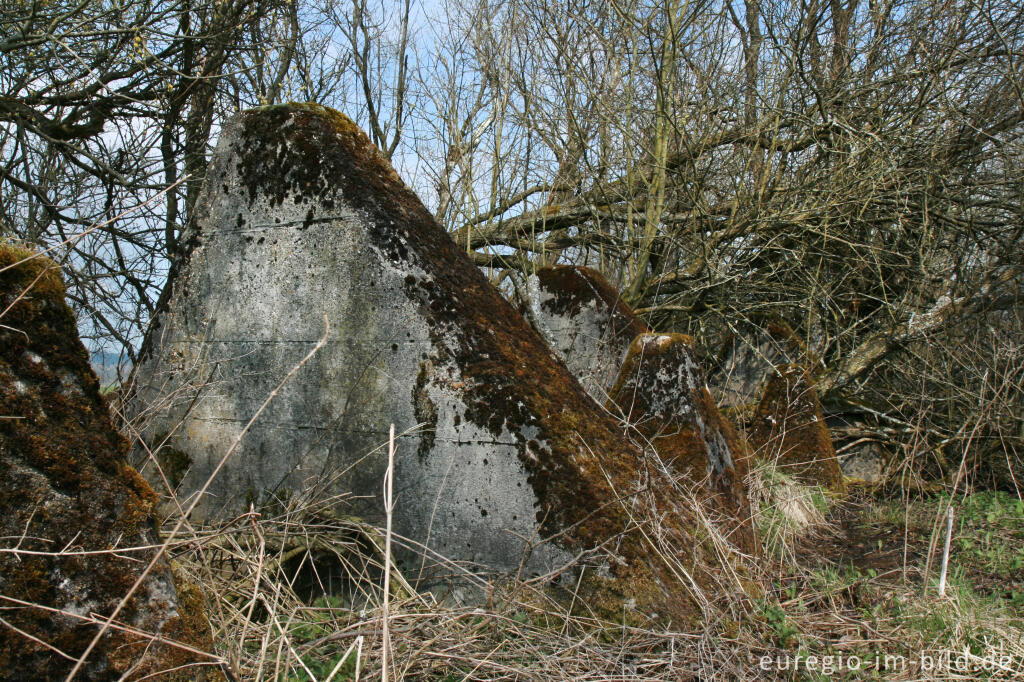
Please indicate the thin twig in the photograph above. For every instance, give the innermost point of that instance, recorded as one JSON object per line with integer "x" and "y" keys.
{"x": 945, "y": 552}
{"x": 388, "y": 507}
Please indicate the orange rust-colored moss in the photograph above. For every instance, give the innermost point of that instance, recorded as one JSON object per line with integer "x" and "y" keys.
{"x": 189, "y": 627}
{"x": 63, "y": 484}
{"x": 305, "y": 153}
{"x": 789, "y": 429}
{"x": 661, "y": 392}
{"x": 654, "y": 594}
{"x": 37, "y": 276}
{"x": 778, "y": 330}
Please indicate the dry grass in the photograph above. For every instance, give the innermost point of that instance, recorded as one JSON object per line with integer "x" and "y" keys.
{"x": 785, "y": 511}
{"x": 298, "y": 594}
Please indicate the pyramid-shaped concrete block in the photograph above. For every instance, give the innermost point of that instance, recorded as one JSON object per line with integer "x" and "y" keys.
{"x": 789, "y": 429}
{"x": 661, "y": 392}
{"x": 584, "y": 320}
{"x": 749, "y": 354}
{"x": 301, "y": 218}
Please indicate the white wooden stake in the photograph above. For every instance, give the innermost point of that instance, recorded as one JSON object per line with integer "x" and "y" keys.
{"x": 945, "y": 552}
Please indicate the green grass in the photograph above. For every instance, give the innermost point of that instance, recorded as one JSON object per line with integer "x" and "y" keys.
{"x": 890, "y": 611}
{"x": 990, "y": 533}
{"x": 785, "y": 509}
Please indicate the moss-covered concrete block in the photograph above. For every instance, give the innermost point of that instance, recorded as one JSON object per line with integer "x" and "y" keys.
{"x": 789, "y": 429}
{"x": 505, "y": 462}
{"x": 71, "y": 509}
{"x": 660, "y": 391}
{"x": 584, "y": 320}
{"x": 748, "y": 355}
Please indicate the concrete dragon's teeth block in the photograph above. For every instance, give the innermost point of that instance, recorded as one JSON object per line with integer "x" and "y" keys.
{"x": 73, "y": 515}
{"x": 301, "y": 217}
{"x": 584, "y": 320}
{"x": 661, "y": 393}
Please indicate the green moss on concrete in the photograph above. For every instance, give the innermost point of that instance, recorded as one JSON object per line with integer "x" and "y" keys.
{"x": 789, "y": 429}
{"x": 424, "y": 409}
{"x": 175, "y": 464}
{"x": 64, "y": 484}
{"x": 661, "y": 392}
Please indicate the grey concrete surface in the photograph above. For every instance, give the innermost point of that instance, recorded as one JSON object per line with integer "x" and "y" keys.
{"x": 583, "y": 319}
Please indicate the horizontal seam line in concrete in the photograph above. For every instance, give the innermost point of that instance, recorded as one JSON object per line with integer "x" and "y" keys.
{"x": 282, "y": 226}
{"x": 292, "y": 425}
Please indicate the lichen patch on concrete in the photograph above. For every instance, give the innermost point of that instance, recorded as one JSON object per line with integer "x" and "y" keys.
{"x": 584, "y": 321}
{"x": 661, "y": 393}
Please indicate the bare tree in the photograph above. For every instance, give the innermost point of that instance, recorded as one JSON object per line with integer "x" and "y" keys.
{"x": 103, "y": 106}
{"x": 852, "y": 168}
{"x": 108, "y": 112}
